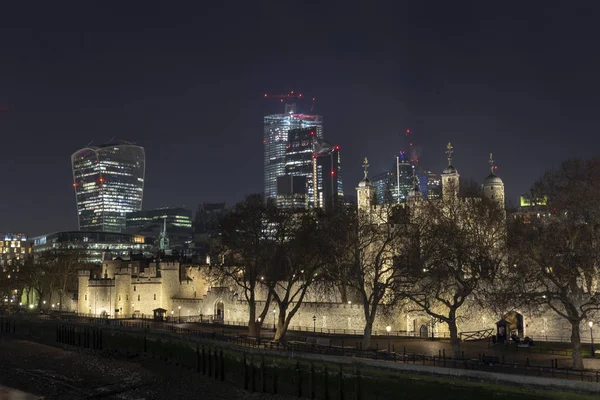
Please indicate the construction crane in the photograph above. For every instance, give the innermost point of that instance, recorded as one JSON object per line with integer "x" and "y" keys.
{"x": 288, "y": 96}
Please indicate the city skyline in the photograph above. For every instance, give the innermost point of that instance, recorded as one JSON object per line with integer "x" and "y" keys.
{"x": 191, "y": 93}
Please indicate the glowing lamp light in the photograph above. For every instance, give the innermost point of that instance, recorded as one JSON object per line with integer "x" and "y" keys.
{"x": 179, "y": 307}
{"x": 591, "y": 323}
{"x": 74, "y": 185}
{"x": 388, "y": 328}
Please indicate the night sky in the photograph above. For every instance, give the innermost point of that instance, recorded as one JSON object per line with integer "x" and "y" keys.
{"x": 519, "y": 79}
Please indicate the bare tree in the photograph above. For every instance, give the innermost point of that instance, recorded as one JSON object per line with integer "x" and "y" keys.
{"x": 365, "y": 249}
{"x": 459, "y": 247}
{"x": 252, "y": 245}
{"x": 557, "y": 254}
{"x": 298, "y": 267}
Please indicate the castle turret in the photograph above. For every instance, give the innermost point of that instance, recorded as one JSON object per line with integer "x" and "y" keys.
{"x": 493, "y": 187}
{"x": 450, "y": 177}
{"x": 365, "y": 192}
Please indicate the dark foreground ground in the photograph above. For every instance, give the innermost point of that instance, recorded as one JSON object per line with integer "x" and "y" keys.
{"x": 56, "y": 373}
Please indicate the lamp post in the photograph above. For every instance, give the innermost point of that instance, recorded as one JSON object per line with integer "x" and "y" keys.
{"x": 314, "y": 324}
{"x": 388, "y": 329}
{"x": 591, "y": 324}
{"x": 179, "y": 313}
{"x": 172, "y": 319}
{"x": 274, "y": 328}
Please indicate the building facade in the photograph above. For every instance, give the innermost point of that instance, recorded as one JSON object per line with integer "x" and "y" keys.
{"x": 276, "y": 141}
{"x": 177, "y": 222}
{"x": 109, "y": 182}
{"x": 94, "y": 247}
{"x": 327, "y": 176}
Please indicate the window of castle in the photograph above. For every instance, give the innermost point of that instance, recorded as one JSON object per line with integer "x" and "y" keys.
{"x": 155, "y": 296}
{"x": 138, "y": 297}
{"x": 134, "y": 288}
{"x": 119, "y": 297}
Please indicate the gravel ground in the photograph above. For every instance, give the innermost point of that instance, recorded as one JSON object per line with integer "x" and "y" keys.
{"x": 68, "y": 375}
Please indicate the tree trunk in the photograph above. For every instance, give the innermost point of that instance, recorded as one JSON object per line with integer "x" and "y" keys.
{"x": 454, "y": 339}
{"x": 343, "y": 293}
{"x": 576, "y": 345}
{"x": 252, "y": 328}
{"x": 281, "y": 326}
{"x": 60, "y": 305}
{"x": 366, "y": 342}
{"x": 39, "y": 302}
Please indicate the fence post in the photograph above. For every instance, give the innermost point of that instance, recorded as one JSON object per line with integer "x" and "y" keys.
{"x": 313, "y": 384}
{"x": 222, "y": 374}
{"x": 299, "y": 378}
{"x": 357, "y": 383}
{"x": 341, "y": 382}
{"x": 197, "y": 357}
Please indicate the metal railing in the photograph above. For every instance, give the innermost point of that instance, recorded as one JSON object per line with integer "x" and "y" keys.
{"x": 480, "y": 362}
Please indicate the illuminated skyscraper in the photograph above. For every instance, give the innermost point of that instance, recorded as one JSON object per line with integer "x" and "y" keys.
{"x": 327, "y": 175}
{"x": 275, "y": 141}
{"x": 108, "y": 182}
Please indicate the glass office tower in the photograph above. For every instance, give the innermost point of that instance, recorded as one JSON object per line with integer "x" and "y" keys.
{"x": 275, "y": 141}
{"x": 108, "y": 182}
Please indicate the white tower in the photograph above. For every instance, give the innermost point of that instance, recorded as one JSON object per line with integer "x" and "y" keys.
{"x": 450, "y": 177}
{"x": 493, "y": 187}
{"x": 365, "y": 190}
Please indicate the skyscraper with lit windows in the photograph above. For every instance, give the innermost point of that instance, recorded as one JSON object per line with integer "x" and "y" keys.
{"x": 109, "y": 182}
{"x": 275, "y": 142}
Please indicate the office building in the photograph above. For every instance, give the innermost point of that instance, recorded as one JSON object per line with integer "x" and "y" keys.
{"x": 14, "y": 248}
{"x": 327, "y": 172}
{"x": 109, "y": 182}
{"x": 94, "y": 247}
{"x": 176, "y": 222}
{"x": 275, "y": 142}
{"x": 434, "y": 185}
{"x": 393, "y": 185}
{"x": 299, "y": 162}
{"x": 292, "y": 192}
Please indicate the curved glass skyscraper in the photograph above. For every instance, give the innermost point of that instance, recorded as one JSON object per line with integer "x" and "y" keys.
{"x": 108, "y": 182}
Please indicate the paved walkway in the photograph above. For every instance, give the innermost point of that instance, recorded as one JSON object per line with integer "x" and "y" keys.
{"x": 472, "y": 349}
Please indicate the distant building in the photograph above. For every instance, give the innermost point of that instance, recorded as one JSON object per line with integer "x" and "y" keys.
{"x": 109, "y": 182}
{"x": 275, "y": 142}
{"x": 292, "y": 192}
{"x": 299, "y": 161}
{"x": 434, "y": 185}
{"x": 94, "y": 246}
{"x": 14, "y": 248}
{"x": 150, "y": 223}
{"x": 206, "y": 223}
{"x": 327, "y": 170}
{"x": 393, "y": 185}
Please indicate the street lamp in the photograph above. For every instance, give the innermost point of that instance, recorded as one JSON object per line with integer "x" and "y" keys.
{"x": 179, "y": 313}
{"x": 314, "y": 324}
{"x": 591, "y": 324}
{"x": 388, "y": 329}
{"x": 258, "y": 332}
{"x": 274, "y": 321}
